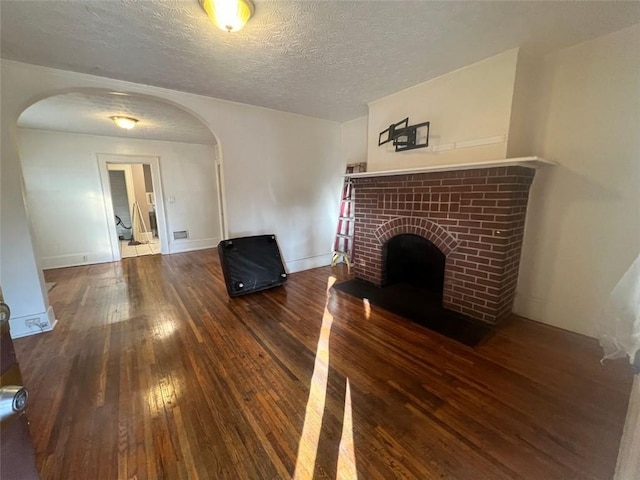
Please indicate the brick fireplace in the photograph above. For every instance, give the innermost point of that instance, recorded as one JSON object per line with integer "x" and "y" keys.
{"x": 475, "y": 217}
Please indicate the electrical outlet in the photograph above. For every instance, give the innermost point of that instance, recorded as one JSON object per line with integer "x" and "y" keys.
{"x": 35, "y": 322}
{"x": 85, "y": 258}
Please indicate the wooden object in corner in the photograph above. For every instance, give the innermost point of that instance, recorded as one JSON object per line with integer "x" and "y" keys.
{"x": 343, "y": 244}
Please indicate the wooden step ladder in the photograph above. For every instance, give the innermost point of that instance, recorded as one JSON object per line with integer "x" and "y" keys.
{"x": 343, "y": 244}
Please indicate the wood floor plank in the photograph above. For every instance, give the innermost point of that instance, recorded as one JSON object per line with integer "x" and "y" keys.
{"x": 153, "y": 372}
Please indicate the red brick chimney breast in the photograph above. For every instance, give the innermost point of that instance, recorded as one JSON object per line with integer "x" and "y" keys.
{"x": 475, "y": 217}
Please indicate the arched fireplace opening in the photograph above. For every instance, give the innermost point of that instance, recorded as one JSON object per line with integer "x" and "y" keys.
{"x": 414, "y": 260}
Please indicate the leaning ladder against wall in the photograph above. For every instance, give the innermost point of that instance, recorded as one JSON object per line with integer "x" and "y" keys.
{"x": 343, "y": 244}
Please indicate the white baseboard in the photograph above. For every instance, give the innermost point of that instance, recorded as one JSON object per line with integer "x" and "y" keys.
{"x": 180, "y": 246}
{"x": 530, "y": 307}
{"x": 309, "y": 263}
{"x": 42, "y": 322}
{"x": 74, "y": 260}
{"x": 77, "y": 259}
{"x": 544, "y": 311}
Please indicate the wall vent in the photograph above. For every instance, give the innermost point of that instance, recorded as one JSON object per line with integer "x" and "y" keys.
{"x": 181, "y": 235}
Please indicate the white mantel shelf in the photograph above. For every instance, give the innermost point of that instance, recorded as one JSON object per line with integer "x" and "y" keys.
{"x": 529, "y": 162}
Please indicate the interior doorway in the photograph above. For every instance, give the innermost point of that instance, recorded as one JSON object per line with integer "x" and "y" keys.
{"x": 134, "y": 209}
{"x": 133, "y": 205}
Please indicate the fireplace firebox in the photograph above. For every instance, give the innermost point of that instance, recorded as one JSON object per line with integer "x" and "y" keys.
{"x": 414, "y": 260}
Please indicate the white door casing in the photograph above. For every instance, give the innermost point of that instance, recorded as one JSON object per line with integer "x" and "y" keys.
{"x": 154, "y": 162}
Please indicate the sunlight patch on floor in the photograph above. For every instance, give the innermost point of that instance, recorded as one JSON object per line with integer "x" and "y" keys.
{"x": 308, "y": 446}
{"x": 367, "y": 308}
{"x": 347, "y": 456}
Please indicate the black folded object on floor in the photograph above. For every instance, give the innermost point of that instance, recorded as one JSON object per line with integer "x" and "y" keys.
{"x": 420, "y": 306}
{"x": 251, "y": 264}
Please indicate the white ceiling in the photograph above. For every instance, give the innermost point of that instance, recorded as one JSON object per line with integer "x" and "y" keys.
{"x": 89, "y": 112}
{"x": 324, "y": 59}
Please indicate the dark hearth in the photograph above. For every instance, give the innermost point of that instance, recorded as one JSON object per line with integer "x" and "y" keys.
{"x": 420, "y": 306}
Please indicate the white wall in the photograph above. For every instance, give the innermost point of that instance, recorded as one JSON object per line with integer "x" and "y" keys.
{"x": 583, "y": 230}
{"x": 472, "y": 104}
{"x": 285, "y": 180}
{"x": 66, "y": 202}
{"x": 354, "y": 140}
{"x": 20, "y": 272}
{"x": 525, "y": 100}
{"x": 281, "y": 174}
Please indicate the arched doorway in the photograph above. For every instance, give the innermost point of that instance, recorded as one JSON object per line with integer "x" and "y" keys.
{"x": 66, "y": 142}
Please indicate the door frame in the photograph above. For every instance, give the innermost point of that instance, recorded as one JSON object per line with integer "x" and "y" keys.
{"x": 161, "y": 219}
{"x": 222, "y": 211}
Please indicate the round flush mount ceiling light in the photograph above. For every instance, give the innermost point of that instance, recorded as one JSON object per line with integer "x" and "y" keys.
{"x": 125, "y": 122}
{"x": 228, "y": 15}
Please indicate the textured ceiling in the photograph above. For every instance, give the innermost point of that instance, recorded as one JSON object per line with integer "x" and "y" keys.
{"x": 89, "y": 113}
{"x": 324, "y": 59}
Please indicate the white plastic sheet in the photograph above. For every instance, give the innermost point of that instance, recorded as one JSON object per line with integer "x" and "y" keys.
{"x": 618, "y": 328}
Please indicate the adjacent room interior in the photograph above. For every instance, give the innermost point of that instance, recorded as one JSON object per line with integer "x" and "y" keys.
{"x": 447, "y": 196}
{"x": 134, "y": 214}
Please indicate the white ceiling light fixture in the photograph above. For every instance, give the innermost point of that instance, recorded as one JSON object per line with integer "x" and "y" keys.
{"x": 125, "y": 122}
{"x": 228, "y": 15}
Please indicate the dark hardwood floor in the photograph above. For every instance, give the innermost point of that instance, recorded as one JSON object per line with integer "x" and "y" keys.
{"x": 153, "y": 372}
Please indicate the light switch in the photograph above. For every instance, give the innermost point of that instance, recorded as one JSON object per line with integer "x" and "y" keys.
{"x": 171, "y": 199}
